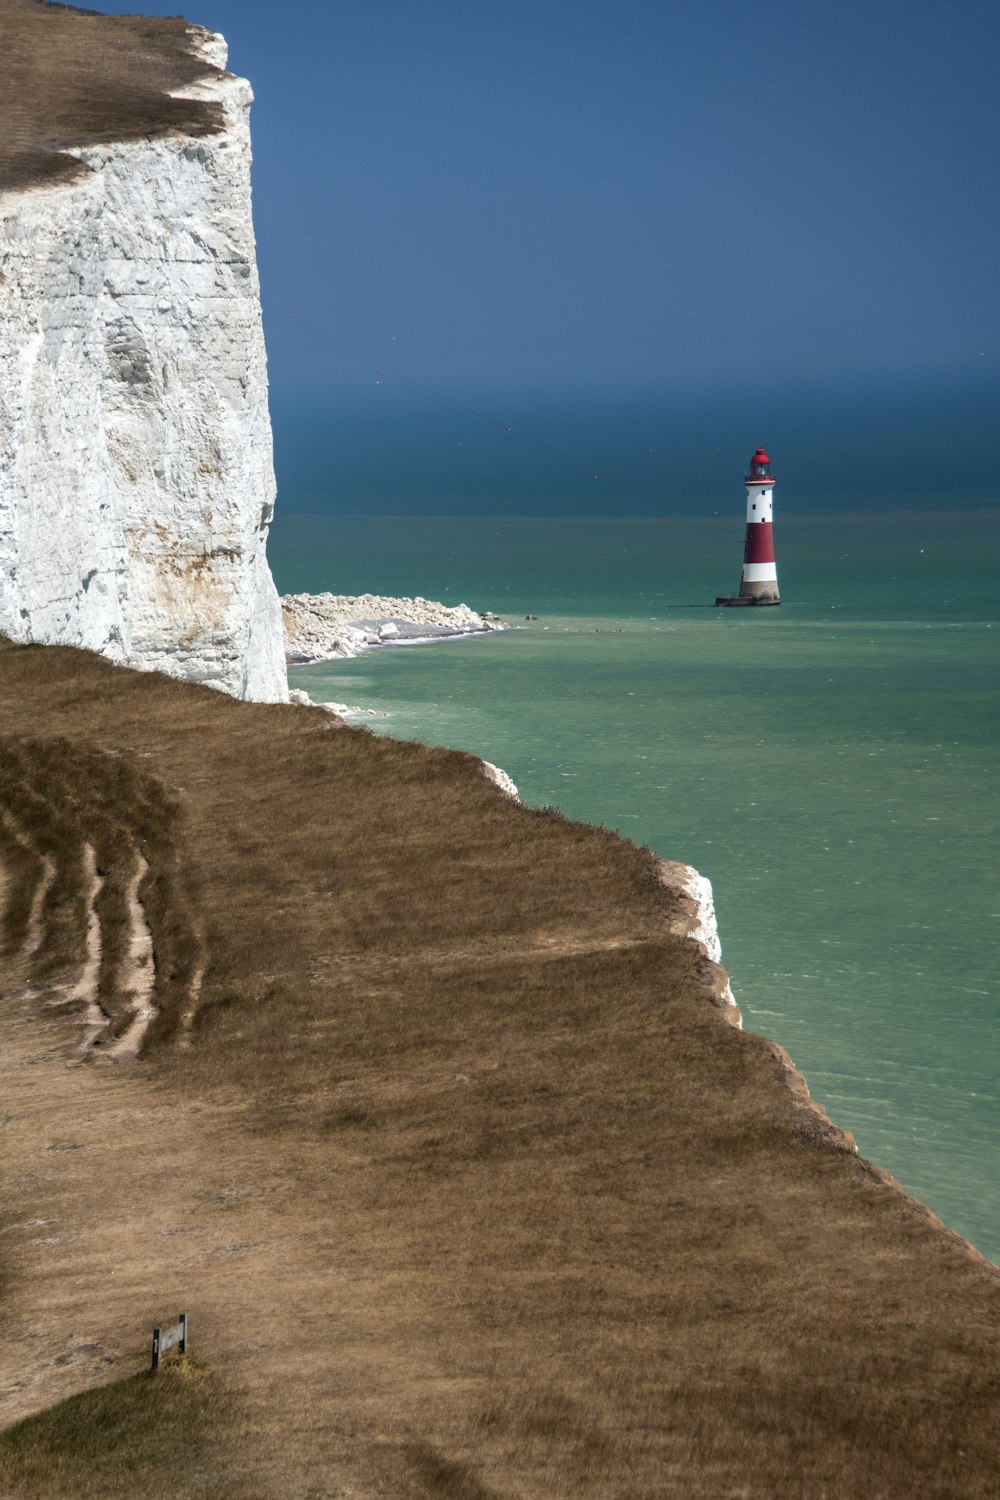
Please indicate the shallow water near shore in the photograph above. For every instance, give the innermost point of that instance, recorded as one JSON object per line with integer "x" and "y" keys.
{"x": 830, "y": 765}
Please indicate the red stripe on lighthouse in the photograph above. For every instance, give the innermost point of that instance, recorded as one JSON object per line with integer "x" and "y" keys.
{"x": 760, "y": 542}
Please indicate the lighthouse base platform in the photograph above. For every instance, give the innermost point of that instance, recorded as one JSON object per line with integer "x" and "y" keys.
{"x": 744, "y": 601}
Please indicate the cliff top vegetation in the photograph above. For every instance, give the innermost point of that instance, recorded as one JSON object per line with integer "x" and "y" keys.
{"x": 439, "y": 1134}
{"x": 72, "y": 77}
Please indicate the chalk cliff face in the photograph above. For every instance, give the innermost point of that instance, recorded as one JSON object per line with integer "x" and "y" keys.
{"x": 136, "y": 477}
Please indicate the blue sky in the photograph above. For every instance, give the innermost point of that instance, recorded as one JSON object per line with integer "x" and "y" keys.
{"x": 565, "y": 205}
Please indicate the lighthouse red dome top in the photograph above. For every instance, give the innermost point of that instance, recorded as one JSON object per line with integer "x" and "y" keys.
{"x": 759, "y": 470}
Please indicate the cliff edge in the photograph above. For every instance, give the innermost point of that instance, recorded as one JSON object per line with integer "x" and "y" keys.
{"x": 136, "y": 474}
{"x": 432, "y": 1111}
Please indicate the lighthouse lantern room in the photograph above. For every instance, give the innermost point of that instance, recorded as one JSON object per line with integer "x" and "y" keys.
{"x": 759, "y": 584}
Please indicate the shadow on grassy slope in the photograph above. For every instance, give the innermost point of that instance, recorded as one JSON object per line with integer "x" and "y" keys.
{"x": 162, "y": 1435}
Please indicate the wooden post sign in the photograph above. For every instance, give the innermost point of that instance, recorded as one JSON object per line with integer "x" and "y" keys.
{"x": 165, "y": 1339}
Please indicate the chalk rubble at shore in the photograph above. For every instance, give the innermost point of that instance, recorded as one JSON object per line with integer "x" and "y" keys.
{"x": 342, "y": 710}
{"x": 319, "y": 627}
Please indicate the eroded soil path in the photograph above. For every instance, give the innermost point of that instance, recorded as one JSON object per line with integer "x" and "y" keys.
{"x": 89, "y": 845}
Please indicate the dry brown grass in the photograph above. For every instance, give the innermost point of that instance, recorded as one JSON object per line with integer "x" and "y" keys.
{"x": 58, "y": 799}
{"x": 468, "y": 1187}
{"x": 76, "y": 78}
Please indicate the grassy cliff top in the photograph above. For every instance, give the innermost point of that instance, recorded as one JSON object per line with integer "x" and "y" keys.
{"x": 73, "y": 77}
{"x": 439, "y": 1134}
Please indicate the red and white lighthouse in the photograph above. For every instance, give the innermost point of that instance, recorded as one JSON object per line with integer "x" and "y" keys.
{"x": 759, "y": 584}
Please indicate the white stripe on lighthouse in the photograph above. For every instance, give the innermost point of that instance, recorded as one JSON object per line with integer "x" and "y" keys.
{"x": 760, "y": 573}
{"x": 759, "y": 503}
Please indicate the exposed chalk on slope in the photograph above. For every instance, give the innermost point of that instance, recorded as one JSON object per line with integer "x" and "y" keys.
{"x": 84, "y": 989}
{"x": 122, "y": 968}
{"x": 701, "y": 925}
{"x": 500, "y": 779}
{"x": 36, "y": 927}
{"x": 139, "y": 974}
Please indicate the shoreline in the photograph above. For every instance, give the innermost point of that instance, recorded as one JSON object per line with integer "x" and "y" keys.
{"x": 332, "y": 627}
{"x": 440, "y": 638}
{"x": 879, "y": 1136}
{"x": 548, "y": 1029}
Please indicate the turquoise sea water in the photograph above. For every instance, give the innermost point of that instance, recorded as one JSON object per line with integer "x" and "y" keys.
{"x": 831, "y": 765}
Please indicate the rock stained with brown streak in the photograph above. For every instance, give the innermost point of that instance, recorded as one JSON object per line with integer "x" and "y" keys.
{"x": 136, "y": 474}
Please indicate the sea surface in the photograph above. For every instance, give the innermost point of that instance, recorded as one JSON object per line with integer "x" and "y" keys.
{"x": 831, "y": 766}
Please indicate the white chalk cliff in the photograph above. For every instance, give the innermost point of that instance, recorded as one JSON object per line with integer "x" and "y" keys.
{"x": 136, "y": 475}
